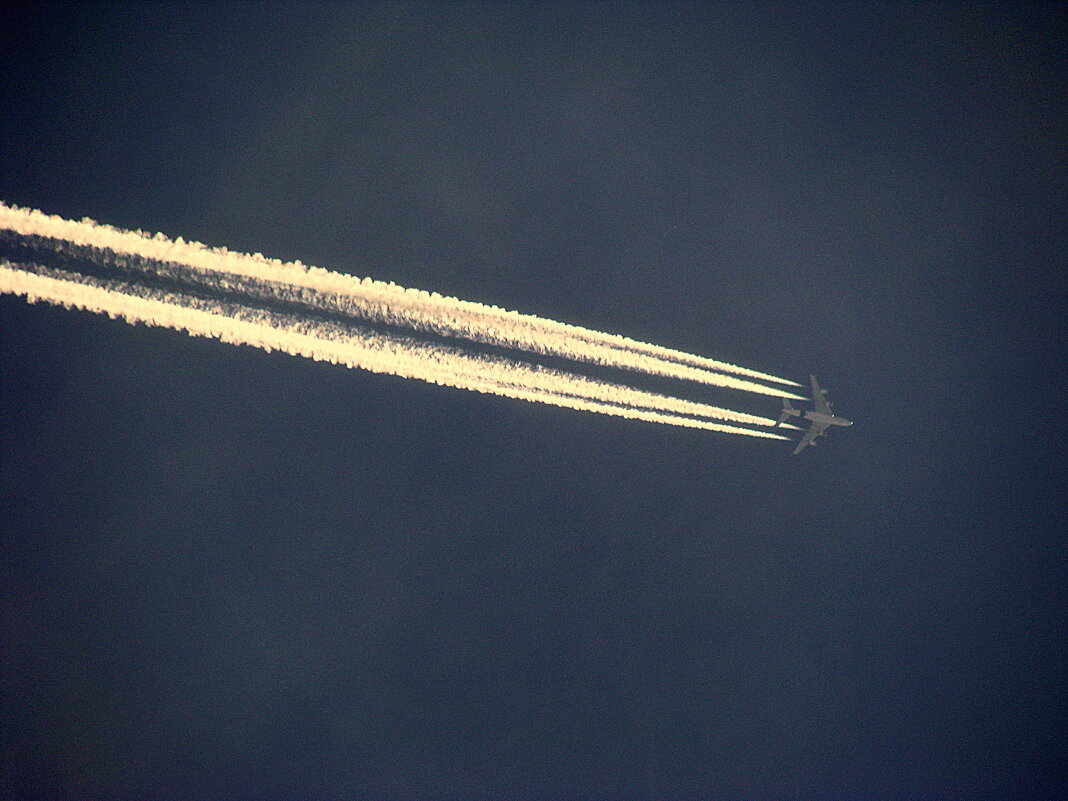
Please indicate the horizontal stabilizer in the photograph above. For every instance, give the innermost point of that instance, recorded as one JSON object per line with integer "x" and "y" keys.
{"x": 788, "y": 411}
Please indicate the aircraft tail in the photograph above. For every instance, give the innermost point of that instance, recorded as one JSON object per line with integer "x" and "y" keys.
{"x": 788, "y": 411}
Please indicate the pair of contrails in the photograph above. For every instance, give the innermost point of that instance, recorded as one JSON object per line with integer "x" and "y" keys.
{"x": 307, "y": 311}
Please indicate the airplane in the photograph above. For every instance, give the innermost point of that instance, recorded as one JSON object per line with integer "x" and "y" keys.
{"x": 822, "y": 418}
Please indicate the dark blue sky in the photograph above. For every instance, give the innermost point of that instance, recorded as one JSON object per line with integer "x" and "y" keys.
{"x": 232, "y": 574}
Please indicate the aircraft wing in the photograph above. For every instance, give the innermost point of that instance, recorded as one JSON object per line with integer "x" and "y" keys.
{"x": 819, "y": 397}
{"x": 814, "y": 431}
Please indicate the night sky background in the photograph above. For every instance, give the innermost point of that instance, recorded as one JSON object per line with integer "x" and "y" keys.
{"x": 232, "y": 574}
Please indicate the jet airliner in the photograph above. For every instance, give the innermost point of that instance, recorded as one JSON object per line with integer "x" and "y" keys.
{"x": 822, "y": 418}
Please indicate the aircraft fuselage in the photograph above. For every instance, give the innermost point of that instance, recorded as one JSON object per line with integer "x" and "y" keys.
{"x": 827, "y": 419}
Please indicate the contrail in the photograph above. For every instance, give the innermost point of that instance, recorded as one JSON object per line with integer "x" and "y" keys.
{"x": 352, "y": 346}
{"x": 389, "y": 303}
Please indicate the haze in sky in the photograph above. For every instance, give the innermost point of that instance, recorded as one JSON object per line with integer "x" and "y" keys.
{"x": 229, "y": 573}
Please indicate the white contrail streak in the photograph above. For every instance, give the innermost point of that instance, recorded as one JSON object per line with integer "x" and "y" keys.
{"x": 354, "y": 347}
{"x": 389, "y": 303}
